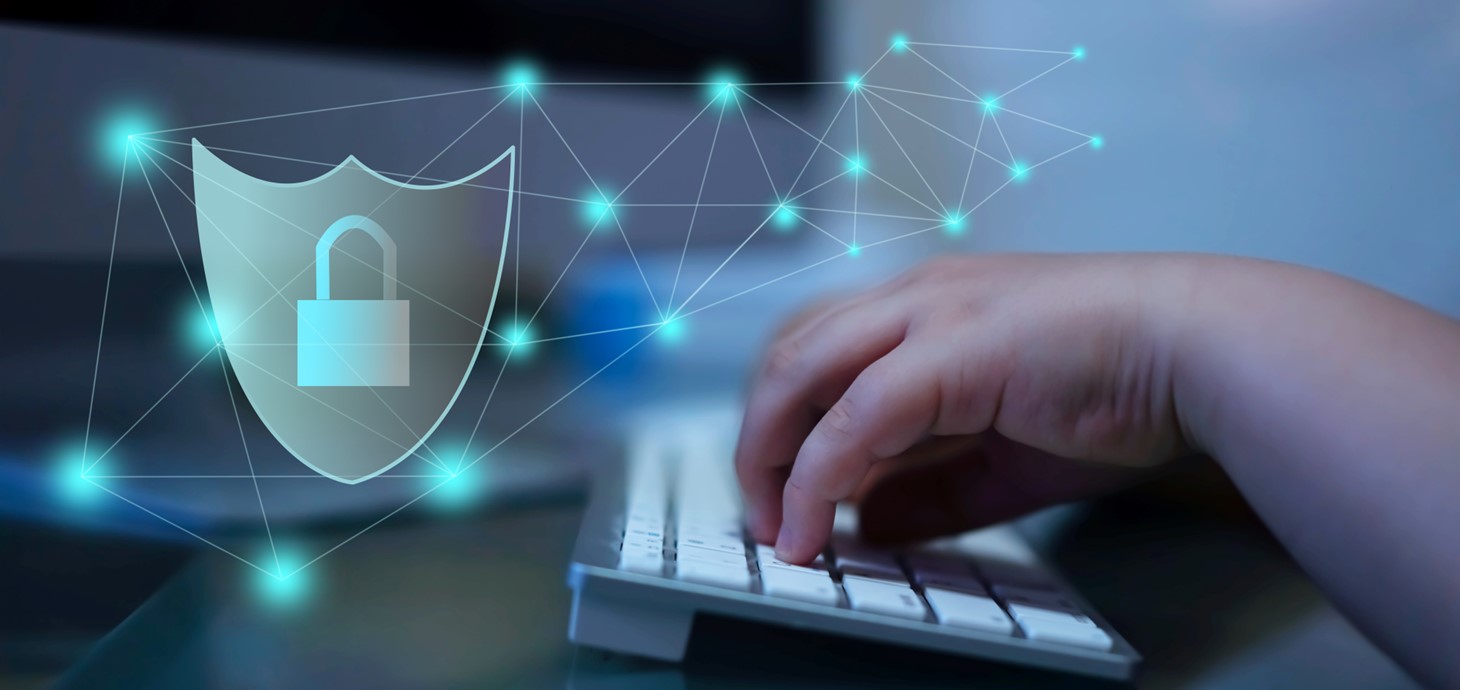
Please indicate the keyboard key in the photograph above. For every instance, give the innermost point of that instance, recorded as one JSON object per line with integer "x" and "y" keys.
{"x": 705, "y": 573}
{"x": 965, "y": 610}
{"x": 1043, "y": 598}
{"x": 766, "y": 555}
{"x": 817, "y": 588}
{"x": 725, "y": 544}
{"x": 852, "y": 556}
{"x": 1075, "y": 635}
{"x": 887, "y": 598}
{"x": 693, "y": 553}
{"x": 646, "y": 561}
{"x": 1034, "y": 613}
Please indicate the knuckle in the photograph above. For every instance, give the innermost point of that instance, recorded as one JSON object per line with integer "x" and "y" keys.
{"x": 783, "y": 360}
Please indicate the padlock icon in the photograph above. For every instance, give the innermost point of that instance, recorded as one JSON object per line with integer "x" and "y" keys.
{"x": 354, "y": 342}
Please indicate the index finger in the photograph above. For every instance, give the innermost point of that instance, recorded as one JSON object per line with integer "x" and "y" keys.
{"x": 804, "y": 373}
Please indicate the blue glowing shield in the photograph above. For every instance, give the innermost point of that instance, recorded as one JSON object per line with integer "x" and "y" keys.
{"x": 352, "y": 307}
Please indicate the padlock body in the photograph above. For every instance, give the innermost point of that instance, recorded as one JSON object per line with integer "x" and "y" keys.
{"x": 354, "y": 342}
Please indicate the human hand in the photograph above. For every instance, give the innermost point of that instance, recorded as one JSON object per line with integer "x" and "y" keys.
{"x": 990, "y": 385}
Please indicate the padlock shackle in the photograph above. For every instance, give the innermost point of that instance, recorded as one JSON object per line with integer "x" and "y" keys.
{"x": 327, "y": 242}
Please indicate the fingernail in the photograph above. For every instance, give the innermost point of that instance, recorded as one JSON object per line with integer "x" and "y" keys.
{"x": 785, "y": 541}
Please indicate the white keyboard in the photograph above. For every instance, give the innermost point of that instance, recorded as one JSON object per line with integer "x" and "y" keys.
{"x": 675, "y": 545}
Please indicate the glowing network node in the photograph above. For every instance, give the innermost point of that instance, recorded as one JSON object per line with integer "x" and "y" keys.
{"x": 721, "y": 84}
{"x": 671, "y": 330}
{"x": 117, "y": 133}
{"x": 854, "y": 250}
{"x": 954, "y": 223}
{"x": 1078, "y": 53}
{"x": 73, "y": 481}
{"x": 899, "y": 43}
{"x": 1019, "y": 172}
{"x": 1097, "y": 142}
{"x": 990, "y": 102}
{"x": 287, "y": 585}
{"x": 199, "y": 328}
{"x": 519, "y": 342}
{"x": 854, "y": 81}
{"x": 597, "y": 210}
{"x": 520, "y": 75}
{"x": 461, "y": 489}
{"x": 855, "y": 165}
{"x": 784, "y": 218}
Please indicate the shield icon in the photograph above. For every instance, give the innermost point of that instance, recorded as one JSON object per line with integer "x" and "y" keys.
{"x": 352, "y": 307}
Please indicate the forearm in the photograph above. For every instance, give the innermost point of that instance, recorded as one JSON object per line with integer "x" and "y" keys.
{"x": 1336, "y": 409}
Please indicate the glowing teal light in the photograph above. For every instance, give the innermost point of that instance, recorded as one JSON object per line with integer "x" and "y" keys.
{"x": 520, "y": 341}
{"x": 721, "y": 84}
{"x": 597, "y": 209}
{"x": 1078, "y": 53}
{"x": 899, "y": 43}
{"x": 115, "y": 135}
{"x": 520, "y": 75}
{"x": 73, "y": 477}
{"x": 953, "y": 224}
{"x": 853, "y": 250}
{"x": 672, "y": 330}
{"x": 784, "y": 218}
{"x": 990, "y": 102}
{"x": 854, "y": 81}
{"x": 461, "y": 490}
{"x": 1019, "y": 172}
{"x": 287, "y": 585}
{"x": 199, "y": 328}
{"x": 1097, "y": 142}
{"x": 855, "y": 165}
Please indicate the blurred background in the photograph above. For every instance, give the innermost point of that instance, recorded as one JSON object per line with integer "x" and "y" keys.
{"x": 1321, "y": 132}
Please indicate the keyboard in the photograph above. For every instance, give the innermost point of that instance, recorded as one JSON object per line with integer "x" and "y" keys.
{"x": 663, "y": 541}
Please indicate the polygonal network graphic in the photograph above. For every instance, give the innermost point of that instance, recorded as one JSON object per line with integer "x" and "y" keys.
{"x": 916, "y": 143}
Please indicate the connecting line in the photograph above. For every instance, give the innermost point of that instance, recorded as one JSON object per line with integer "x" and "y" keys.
{"x": 87, "y": 467}
{"x": 823, "y": 231}
{"x": 189, "y": 532}
{"x": 1043, "y": 122}
{"x": 957, "y": 83}
{"x": 244, "y": 476}
{"x": 905, "y": 154}
{"x": 862, "y": 213}
{"x": 1012, "y": 50}
{"x": 945, "y": 132}
{"x": 105, "y": 302}
{"x": 278, "y": 293}
{"x": 968, "y": 176}
{"x": 828, "y": 181}
{"x": 820, "y": 141}
{"x": 517, "y": 242}
{"x": 1071, "y": 149}
{"x": 1000, "y": 130}
{"x": 1031, "y": 79}
{"x": 746, "y": 119}
{"x": 655, "y": 159}
{"x": 560, "y": 399}
{"x": 699, "y": 196}
{"x": 861, "y": 164}
{"x": 922, "y": 93}
{"x": 642, "y": 276}
{"x": 222, "y": 365}
{"x": 716, "y": 272}
{"x": 326, "y": 110}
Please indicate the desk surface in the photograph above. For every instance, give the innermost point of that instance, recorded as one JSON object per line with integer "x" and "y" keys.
{"x": 482, "y": 603}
